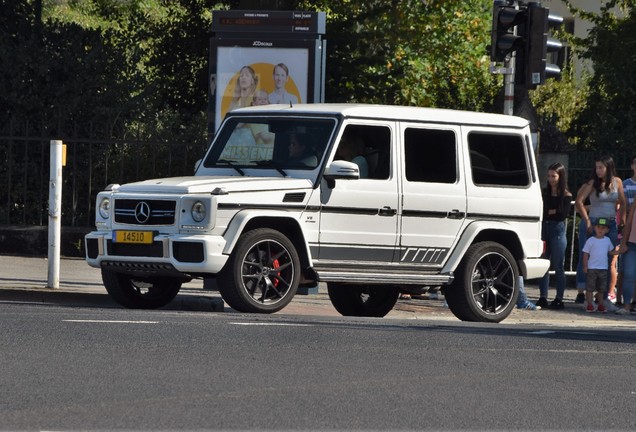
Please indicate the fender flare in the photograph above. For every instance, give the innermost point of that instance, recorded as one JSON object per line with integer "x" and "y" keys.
{"x": 468, "y": 238}
{"x": 242, "y": 218}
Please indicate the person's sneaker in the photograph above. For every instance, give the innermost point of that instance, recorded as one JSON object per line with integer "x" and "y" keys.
{"x": 580, "y": 298}
{"x": 529, "y": 306}
{"x": 542, "y": 302}
{"x": 590, "y": 307}
{"x": 433, "y": 296}
{"x": 622, "y": 311}
{"x": 601, "y": 308}
{"x": 557, "y": 304}
{"x": 609, "y": 306}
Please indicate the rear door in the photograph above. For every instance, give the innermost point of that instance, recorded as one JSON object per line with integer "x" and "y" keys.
{"x": 433, "y": 193}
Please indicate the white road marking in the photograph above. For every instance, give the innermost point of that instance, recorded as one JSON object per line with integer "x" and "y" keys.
{"x": 26, "y": 302}
{"x": 111, "y": 321}
{"x": 270, "y": 324}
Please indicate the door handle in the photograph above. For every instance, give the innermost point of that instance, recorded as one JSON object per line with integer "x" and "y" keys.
{"x": 456, "y": 214}
{"x": 387, "y": 211}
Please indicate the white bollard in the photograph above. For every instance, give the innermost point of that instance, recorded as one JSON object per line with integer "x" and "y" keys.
{"x": 55, "y": 214}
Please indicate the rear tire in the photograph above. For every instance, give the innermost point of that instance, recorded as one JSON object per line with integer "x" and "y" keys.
{"x": 485, "y": 285}
{"x": 140, "y": 293}
{"x": 363, "y": 300}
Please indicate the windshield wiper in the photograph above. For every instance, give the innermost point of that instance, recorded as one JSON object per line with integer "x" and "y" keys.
{"x": 270, "y": 163}
{"x": 230, "y": 164}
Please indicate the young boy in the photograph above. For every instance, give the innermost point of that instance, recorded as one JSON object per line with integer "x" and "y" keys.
{"x": 596, "y": 252}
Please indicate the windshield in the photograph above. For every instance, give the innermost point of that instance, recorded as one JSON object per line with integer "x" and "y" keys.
{"x": 279, "y": 143}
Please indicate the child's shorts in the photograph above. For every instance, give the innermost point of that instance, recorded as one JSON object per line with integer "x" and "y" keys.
{"x": 596, "y": 280}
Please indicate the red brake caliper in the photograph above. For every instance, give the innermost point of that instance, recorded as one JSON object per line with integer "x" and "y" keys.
{"x": 275, "y": 265}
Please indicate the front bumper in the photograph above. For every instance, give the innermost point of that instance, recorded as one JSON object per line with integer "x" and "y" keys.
{"x": 169, "y": 254}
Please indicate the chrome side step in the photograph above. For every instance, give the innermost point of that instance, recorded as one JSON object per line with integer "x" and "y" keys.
{"x": 381, "y": 276}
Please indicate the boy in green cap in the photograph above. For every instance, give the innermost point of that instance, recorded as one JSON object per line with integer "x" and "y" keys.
{"x": 596, "y": 252}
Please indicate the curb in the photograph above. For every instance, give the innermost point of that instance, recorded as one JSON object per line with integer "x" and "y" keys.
{"x": 183, "y": 302}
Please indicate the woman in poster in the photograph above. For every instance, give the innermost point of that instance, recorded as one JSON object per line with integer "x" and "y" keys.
{"x": 280, "y": 95}
{"x": 246, "y": 84}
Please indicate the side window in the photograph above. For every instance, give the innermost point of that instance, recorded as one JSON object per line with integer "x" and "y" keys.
{"x": 430, "y": 155}
{"x": 369, "y": 147}
{"x": 497, "y": 159}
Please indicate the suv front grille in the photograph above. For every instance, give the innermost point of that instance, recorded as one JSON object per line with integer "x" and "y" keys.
{"x": 145, "y": 212}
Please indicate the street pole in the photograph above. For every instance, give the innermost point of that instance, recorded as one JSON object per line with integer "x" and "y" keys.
{"x": 509, "y": 86}
{"x": 55, "y": 214}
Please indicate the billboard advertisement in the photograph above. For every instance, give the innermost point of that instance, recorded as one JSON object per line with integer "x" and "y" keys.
{"x": 264, "y": 58}
{"x": 247, "y": 76}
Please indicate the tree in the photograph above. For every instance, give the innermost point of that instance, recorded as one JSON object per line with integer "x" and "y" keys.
{"x": 408, "y": 52}
{"x": 598, "y": 113}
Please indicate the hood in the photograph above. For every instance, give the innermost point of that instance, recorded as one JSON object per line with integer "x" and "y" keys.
{"x": 205, "y": 184}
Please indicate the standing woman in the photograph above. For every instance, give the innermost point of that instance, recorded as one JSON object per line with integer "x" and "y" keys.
{"x": 556, "y": 208}
{"x": 628, "y": 262}
{"x": 605, "y": 191}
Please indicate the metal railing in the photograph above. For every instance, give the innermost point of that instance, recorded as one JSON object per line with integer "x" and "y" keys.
{"x": 572, "y": 241}
{"x": 90, "y": 166}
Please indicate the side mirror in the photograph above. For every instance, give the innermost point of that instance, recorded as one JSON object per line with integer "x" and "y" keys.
{"x": 340, "y": 169}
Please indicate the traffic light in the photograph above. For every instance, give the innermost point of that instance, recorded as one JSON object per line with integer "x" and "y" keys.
{"x": 504, "y": 20}
{"x": 533, "y": 68}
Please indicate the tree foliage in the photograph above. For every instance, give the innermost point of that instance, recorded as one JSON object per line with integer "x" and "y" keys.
{"x": 410, "y": 52}
{"x": 135, "y": 66}
{"x": 598, "y": 112}
{"x": 140, "y": 66}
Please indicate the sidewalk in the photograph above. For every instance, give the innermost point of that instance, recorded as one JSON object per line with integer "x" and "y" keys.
{"x": 24, "y": 279}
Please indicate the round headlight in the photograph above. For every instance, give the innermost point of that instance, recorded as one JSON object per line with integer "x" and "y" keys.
{"x": 198, "y": 211}
{"x": 104, "y": 208}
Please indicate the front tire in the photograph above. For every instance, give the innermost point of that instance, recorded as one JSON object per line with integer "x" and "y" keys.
{"x": 140, "y": 293}
{"x": 262, "y": 274}
{"x": 485, "y": 286}
{"x": 363, "y": 300}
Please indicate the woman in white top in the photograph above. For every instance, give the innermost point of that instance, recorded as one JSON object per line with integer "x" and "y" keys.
{"x": 605, "y": 191}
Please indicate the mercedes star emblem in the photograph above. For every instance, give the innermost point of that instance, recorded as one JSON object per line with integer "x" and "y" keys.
{"x": 142, "y": 212}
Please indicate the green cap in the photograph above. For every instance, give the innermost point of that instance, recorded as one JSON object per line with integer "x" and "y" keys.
{"x": 602, "y": 222}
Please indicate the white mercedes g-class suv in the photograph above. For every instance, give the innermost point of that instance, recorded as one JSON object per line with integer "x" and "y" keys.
{"x": 369, "y": 199}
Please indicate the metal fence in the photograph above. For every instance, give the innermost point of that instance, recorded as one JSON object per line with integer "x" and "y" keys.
{"x": 91, "y": 164}
{"x": 572, "y": 233}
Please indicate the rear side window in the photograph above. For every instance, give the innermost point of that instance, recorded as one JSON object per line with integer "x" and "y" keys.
{"x": 498, "y": 159}
{"x": 430, "y": 155}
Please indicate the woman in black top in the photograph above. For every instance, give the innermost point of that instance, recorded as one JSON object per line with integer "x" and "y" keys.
{"x": 556, "y": 208}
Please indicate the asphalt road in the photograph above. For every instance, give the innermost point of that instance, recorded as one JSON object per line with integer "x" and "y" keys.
{"x": 77, "y": 368}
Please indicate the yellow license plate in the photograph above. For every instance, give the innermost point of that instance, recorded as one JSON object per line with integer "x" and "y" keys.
{"x": 143, "y": 237}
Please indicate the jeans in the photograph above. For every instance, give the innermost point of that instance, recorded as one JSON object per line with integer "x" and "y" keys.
{"x": 629, "y": 272}
{"x": 556, "y": 243}
{"x": 523, "y": 297}
{"x": 613, "y": 236}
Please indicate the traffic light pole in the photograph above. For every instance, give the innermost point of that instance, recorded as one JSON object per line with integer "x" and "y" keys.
{"x": 519, "y": 40}
{"x": 509, "y": 87}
